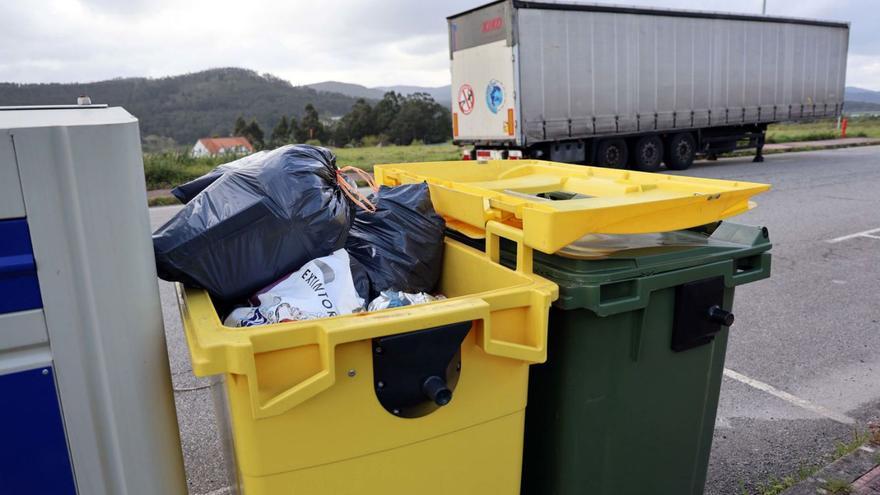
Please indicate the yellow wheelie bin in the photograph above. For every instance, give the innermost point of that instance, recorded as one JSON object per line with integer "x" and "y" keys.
{"x": 352, "y": 404}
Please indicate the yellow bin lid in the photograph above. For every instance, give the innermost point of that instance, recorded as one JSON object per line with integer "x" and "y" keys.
{"x": 554, "y": 204}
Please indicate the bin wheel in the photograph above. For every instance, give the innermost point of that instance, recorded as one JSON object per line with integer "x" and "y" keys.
{"x": 611, "y": 153}
{"x": 680, "y": 151}
{"x": 648, "y": 153}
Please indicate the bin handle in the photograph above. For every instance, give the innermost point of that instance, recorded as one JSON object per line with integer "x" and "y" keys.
{"x": 534, "y": 347}
{"x": 524, "y": 254}
{"x": 760, "y": 269}
{"x": 327, "y": 337}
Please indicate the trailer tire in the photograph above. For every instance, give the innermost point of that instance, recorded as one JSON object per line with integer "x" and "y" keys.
{"x": 648, "y": 152}
{"x": 612, "y": 153}
{"x": 680, "y": 151}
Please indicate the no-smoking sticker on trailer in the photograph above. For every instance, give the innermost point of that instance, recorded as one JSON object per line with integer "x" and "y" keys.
{"x": 466, "y": 98}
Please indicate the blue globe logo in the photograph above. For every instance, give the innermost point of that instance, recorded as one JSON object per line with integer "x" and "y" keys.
{"x": 494, "y": 95}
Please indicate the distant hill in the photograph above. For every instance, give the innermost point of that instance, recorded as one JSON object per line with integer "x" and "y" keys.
{"x": 189, "y": 106}
{"x": 440, "y": 94}
{"x": 854, "y": 94}
{"x": 852, "y": 107}
{"x": 347, "y": 89}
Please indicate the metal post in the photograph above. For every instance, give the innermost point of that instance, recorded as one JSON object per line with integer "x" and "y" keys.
{"x": 759, "y": 149}
{"x": 764, "y": 8}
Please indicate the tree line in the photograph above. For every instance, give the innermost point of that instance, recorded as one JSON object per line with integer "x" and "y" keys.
{"x": 395, "y": 119}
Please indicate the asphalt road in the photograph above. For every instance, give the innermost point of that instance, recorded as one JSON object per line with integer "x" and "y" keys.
{"x": 803, "y": 362}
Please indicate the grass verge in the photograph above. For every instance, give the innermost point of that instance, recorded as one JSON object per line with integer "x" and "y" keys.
{"x": 775, "y": 486}
{"x": 823, "y": 129}
{"x": 166, "y": 170}
{"x": 364, "y": 158}
{"x": 838, "y": 487}
{"x": 163, "y": 201}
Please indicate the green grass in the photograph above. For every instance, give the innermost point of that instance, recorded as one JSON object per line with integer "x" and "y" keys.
{"x": 839, "y": 487}
{"x": 167, "y": 170}
{"x": 844, "y": 448}
{"x": 163, "y": 201}
{"x": 364, "y": 158}
{"x": 776, "y": 486}
{"x": 823, "y": 129}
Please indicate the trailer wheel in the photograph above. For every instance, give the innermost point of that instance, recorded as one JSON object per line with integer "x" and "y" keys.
{"x": 680, "y": 151}
{"x": 648, "y": 153}
{"x": 611, "y": 153}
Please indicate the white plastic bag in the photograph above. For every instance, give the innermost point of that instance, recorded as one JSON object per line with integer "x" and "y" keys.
{"x": 322, "y": 288}
{"x": 395, "y": 299}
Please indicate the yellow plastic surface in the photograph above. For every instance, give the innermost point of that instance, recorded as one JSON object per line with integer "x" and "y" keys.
{"x": 304, "y": 414}
{"x": 469, "y": 194}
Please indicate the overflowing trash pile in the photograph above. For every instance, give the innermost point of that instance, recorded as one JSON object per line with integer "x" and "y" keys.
{"x": 285, "y": 235}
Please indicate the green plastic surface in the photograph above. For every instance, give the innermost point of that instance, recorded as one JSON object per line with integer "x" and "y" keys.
{"x": 614, "y": 410}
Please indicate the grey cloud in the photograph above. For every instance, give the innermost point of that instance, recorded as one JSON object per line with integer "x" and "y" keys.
{"x": 122, "y": 7}
{"x": 378, "y": 42}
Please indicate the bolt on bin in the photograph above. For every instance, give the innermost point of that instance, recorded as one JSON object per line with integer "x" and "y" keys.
{"x": 626, "y": 402}
{"x": 425, "y": 399}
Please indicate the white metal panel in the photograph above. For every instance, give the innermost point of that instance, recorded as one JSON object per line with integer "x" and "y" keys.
{"x": 25, "y": 358}
{"x": 11, "y": 202}
{"x": 22, "y": 329}
{"x": 28, "y": 117}
{"x": 475, "y": 71}
{"x": 24, "y": 343}
{"x": 83, "y": 186}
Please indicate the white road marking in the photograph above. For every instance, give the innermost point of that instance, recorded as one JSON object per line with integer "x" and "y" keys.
{"x": 220, "y": 491}
{"x": 864, "y": 233}
{"x": 722, "y": 423}
{"x": 805, "y": 404}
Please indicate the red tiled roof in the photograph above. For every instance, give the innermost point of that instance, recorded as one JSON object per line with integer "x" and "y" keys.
{"x": 218, "y": 145}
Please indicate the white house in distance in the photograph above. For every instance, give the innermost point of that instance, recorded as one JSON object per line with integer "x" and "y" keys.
{"x": 222, "y": 146}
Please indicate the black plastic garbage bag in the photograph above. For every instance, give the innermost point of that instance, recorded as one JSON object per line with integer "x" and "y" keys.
{"x": 401, "y": 244}
{"x": 185, "y": 192}
{"x": 360, "y": 278}
{"x": 256, "y": 223}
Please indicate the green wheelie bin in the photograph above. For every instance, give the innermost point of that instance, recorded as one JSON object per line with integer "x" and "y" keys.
{"x": 626, "y": 402}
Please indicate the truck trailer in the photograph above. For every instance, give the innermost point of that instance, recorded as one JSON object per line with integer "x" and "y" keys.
{"x": 631, "y": 87}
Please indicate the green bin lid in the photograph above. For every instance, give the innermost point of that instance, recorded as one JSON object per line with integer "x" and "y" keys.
{"x": 589, "y": 268}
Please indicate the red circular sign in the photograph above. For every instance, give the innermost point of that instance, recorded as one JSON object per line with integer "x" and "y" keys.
{"x": 466, "y": 98}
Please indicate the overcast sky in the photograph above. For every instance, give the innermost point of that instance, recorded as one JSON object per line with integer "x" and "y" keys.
{"x": 379, "y": 42}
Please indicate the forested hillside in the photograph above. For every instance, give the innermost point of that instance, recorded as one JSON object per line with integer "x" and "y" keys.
{"x": 189, "y": 106}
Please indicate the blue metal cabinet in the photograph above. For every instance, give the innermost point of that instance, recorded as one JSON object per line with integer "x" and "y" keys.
{"x": 34, "y": 459}
{"x": 19, "y": 288}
